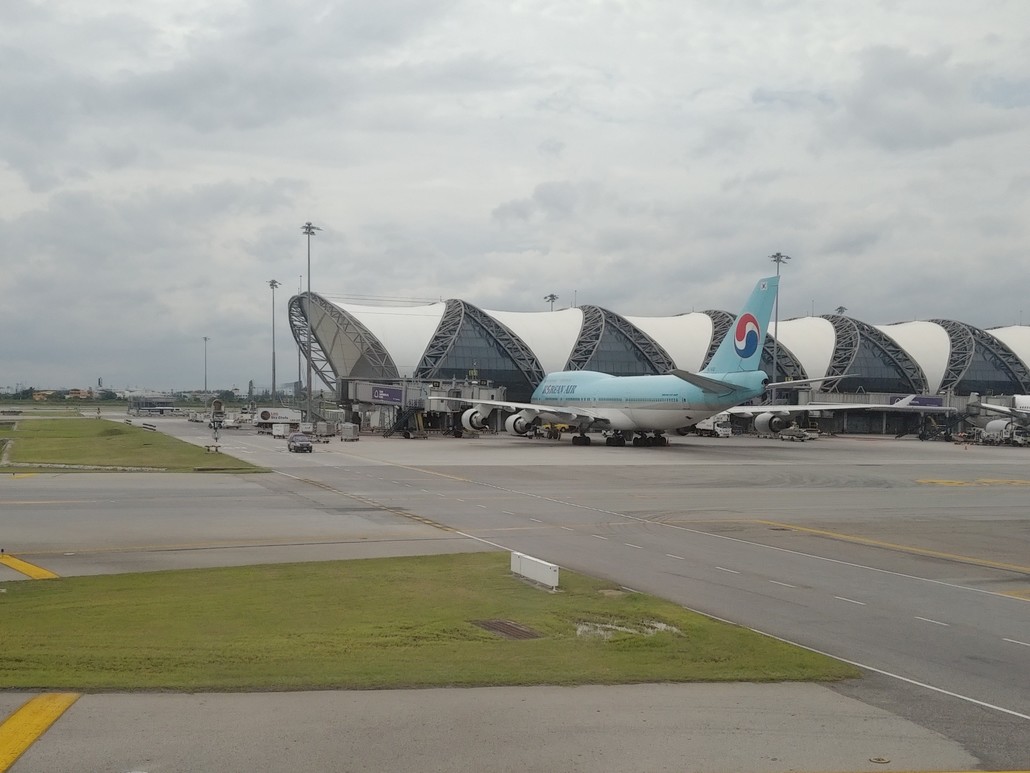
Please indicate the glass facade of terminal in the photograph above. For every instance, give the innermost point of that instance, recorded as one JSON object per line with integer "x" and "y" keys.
{"x": 873, "y": 370}
{"x": 616, "y": 354}
{"x": 987, "y": 376}
{"x": 476, "y": 355}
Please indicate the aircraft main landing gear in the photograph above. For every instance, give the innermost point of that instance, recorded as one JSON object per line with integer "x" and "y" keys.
{"x": 615, "y": 439}
{"x": 654, "y": 439}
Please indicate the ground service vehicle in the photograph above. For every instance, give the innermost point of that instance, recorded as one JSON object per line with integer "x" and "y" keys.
{"x": 1003, "y": 432}
{"x": 714, "y": 426}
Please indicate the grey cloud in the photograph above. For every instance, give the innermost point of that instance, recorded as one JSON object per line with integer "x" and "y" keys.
{"x": 164, "y": 156}
{"x": 91, "y": 227}
{"x": 853, "y": 242}
{"x": 264, "y": 66}
{"x": 761, "y": 179}
{"x": 792, "y": 100}
{"x": 520, "y": 209}
{"x": 904, "y": 101}
{"x": 1003, "y": 92}
{"x": 557, "y": 200}
{"x": 551, "y": 147}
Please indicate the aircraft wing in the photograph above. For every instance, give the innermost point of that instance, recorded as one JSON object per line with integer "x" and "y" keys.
{"x": 1004, "y": 410}
{"x": 801, "y": 381}
{"x": 564, "y": 413}
{"x": 904, "y": 405}
{"x": 718, "y": 387}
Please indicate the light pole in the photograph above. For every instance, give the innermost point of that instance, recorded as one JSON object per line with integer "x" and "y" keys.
{"x": 779, "y": 258}
{"x": 273, "y": 284}
{"x": 206, "y": 339}
{"x": 309, "y": 230}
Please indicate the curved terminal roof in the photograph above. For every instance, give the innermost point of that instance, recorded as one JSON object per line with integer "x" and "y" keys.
{"x": 927, "y": 343}
{"x": 811, "y": 341}
{"x": 405, "y": 331}
{"x": 1016, "y": 338}
{"x": 945, "y": 351}
{"x": 684, "y": 337}
{"x": 551, "y": 335}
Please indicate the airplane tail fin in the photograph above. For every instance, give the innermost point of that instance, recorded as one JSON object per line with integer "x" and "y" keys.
{"x": 741, "y": 349}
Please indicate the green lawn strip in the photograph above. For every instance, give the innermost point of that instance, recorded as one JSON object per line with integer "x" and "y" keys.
{"x": 33, "y": 411}
{"x": 376, "y": 623}
{"x": 99, "y": 443}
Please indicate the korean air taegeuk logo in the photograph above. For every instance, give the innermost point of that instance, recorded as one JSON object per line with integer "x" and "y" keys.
{"x": 746, "y": 335}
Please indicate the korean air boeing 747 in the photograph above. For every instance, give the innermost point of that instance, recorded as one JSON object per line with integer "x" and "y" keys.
{"x": 643, "y": 408}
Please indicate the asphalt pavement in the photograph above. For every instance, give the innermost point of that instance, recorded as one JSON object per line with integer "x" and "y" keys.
{"x": 906, "y": 558}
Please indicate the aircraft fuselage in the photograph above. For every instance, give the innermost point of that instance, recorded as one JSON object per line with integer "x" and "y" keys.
{"x": 641, "y": 403}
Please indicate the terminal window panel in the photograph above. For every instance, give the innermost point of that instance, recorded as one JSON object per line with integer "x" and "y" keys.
{"x": 876, "y": 372}
{"x": 617, "y": 356}
{"x": 987, "y": 376}
{"x": 474, "y": 354}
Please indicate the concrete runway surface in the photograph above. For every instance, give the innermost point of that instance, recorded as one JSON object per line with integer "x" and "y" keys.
{"x": 909, "y": 559}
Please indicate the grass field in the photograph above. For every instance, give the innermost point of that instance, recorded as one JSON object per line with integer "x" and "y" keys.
{"x": 377, "y": 623}
{"x": 43, "y": 409}
{"x": 93, "y": 443}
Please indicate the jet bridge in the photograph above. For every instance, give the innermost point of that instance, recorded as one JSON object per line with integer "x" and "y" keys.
{"x": 402, "y": 405}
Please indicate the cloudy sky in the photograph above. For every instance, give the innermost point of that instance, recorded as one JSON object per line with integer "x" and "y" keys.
{"x": 160, "y": 157}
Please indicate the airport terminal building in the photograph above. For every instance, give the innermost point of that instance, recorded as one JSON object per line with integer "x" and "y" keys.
{"x": 456, "y": 340}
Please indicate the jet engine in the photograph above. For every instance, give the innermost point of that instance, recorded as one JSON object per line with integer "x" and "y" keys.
{"x": 770, "y": 423}
{"x": 473, "y": 421}
{"x": 516, "y": 424}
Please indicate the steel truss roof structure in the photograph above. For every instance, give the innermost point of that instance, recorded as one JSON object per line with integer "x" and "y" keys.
{"x": 966, "y": 340}
{"x": 367, "y": 356}
{"x": 595, "y": 320}
{"x": 451, "y": 323}
{"x": 721, "y": 322}
{"x": 344, "y": 345}
{"x": 850, "y": 332}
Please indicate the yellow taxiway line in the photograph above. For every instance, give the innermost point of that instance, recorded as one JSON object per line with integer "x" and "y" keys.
{"x": 28, "y": 723}
{"x": 902, "y": 548}
{"x": 29, "y": 570}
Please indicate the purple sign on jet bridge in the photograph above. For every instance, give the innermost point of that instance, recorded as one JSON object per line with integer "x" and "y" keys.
{"x": 385, "y": 394}
{"x": 921, "y": 401}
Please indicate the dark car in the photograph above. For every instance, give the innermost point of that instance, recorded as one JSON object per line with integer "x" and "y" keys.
{"x": 298, "y": 442}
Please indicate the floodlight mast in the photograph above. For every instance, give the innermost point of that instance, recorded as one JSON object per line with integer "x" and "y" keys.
{"x": 308, "y": 229}
{"x": 778, "y": 258}
{"x": 273, "y": 284}
{"x": 206, "y": 339}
